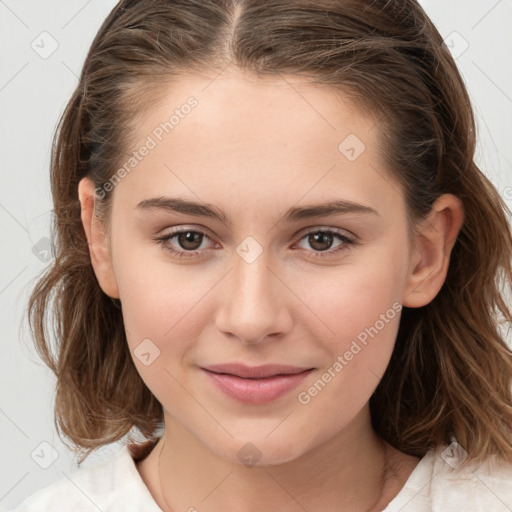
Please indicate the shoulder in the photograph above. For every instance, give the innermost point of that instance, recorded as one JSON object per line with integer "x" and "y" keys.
{"x": 110, "y": 486}
{"x": 478, "y": 486}
{"x": 442, "y": 483}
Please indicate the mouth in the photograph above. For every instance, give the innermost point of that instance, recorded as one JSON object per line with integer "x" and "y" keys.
{"x": 256, "y": 384}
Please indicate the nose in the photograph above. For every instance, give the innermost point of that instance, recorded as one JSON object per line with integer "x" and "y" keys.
{"x": 254, "y": 303}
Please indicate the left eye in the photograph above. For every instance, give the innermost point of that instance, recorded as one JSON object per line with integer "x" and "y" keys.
{"x": 322, "y": 241}
{"x": 189, "y": 242}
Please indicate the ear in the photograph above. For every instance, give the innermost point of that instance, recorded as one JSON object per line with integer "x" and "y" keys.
{"x": 96, "y": 238}
{"x": 434, "y": 240}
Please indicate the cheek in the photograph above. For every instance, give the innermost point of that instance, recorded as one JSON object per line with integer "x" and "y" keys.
{"x": 366, "y": 329}
{"x": 360, "y": 305}
{"x": 356, "y": 295}
{"x": 157, "y": 298}
{"x": 365, "y": 318}
{"x": 159, "y": 308}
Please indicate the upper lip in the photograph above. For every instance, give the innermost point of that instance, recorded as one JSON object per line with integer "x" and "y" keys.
{"x": 254, "y": 372}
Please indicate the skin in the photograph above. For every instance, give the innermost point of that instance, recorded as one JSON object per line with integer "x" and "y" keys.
{"x": 255, "y": 148}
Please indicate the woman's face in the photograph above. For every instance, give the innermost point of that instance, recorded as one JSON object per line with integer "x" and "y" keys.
{"x": 253, "y": 172}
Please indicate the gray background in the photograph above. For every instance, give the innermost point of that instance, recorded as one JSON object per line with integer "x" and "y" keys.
{"x": 34, "y": 88}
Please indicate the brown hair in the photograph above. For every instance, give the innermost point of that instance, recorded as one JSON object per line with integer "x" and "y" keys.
{"x": 451, "y": 370}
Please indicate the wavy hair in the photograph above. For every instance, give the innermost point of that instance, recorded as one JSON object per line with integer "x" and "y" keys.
{"x": 450, "y": 372}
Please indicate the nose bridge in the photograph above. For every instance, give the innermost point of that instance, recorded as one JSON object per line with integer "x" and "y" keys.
{"x": 253, "y": 307}
{"x": 253, "y": 285}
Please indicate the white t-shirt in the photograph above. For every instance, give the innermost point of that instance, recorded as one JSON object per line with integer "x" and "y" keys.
{"x": 437, "y": 484}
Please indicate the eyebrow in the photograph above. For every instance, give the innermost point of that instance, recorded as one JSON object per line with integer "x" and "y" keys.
{"x": 294, "y": 214}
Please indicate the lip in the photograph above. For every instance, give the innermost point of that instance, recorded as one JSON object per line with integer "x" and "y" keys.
{"x": 255, "y": 384}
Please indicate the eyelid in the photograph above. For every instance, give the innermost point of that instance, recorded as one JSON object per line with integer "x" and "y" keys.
{"x": 342, "y": 232}
{"x": 175, "y": 230}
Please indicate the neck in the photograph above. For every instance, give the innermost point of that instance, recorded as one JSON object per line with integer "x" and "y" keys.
{"x": 351, "y": 471}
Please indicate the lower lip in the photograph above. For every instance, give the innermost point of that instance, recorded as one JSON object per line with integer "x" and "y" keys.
{"x": 256, "y": 391}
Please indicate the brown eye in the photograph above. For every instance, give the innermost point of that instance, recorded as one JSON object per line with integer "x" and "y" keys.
{"x": 189, "y": 240}
{"x": 320, "y": 241}
{"x": 184, "y": 243}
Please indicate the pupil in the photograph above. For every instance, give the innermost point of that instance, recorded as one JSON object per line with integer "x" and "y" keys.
{"x": 324, "y": 239}
{"x": 188, "y": 240}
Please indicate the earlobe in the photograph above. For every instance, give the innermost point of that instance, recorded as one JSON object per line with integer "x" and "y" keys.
{"x": 99, "y": 249}
{"x": 434, "y": 241}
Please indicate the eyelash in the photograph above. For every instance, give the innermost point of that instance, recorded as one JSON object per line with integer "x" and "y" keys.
{"x": 346, "y": 245}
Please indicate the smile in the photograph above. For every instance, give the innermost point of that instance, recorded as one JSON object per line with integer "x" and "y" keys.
{"x": 255, "y": 385}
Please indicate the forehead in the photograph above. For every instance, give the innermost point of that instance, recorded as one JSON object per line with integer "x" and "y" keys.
{"x": 248, "y": 138}
{"x": 244, "y": 112}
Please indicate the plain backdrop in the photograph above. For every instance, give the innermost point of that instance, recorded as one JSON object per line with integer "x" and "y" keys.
{"x": 44, "y": 44}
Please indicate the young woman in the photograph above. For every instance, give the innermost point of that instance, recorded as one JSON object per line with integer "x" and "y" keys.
{"x": 277, "y": 260}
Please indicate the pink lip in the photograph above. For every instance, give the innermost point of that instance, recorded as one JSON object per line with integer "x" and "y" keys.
{"x": 257, "y": 384}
